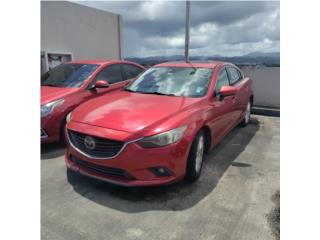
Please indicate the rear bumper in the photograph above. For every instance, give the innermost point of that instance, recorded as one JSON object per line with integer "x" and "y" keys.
{"x": 136, "y": 162}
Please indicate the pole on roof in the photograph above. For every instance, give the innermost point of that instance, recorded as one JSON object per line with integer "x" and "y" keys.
{"x": 186, "y": 46}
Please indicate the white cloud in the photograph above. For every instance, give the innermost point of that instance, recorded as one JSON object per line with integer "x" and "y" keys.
{"x": 224, "y": 28}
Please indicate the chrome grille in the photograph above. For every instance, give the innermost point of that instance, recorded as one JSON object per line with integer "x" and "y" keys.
{"x": 104, "y": 148}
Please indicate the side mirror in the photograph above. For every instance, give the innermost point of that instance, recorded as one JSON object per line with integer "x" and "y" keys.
{"x": 227, "y": 91}
{"x": 101, "y": 84}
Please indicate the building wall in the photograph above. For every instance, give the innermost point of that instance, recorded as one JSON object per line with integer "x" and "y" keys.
{"x": 85, "y": 32}
{"x": 266, "y": 85}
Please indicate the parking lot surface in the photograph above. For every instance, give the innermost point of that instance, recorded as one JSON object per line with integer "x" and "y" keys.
{"x": 231, "y": 200}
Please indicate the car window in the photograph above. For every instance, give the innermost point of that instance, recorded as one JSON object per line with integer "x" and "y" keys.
{"x": 222, "y": 80}
{"x": 111, "y": 73}
{"x": 240, "y": 74}
{"x": 68, "y": 75}
{"x": 233, "y": 75}
{"x": 131, "y": 71}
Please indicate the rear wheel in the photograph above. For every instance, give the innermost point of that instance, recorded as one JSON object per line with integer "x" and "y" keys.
{"x": 196, "y": 157}
{"x": 247, "y": 115}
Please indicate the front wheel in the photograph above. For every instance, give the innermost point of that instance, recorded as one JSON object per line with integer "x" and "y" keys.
{"x": 247, "y": 115}
{"x": 196, "y": 157}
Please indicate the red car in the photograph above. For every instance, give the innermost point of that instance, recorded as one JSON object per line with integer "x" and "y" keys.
{"x": 70, "y": 84}
{"x": 158, "y": 128}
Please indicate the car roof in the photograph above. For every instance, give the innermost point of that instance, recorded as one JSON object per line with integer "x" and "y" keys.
{"x": 99, "y": 61}
{"x": 196, "y": 64}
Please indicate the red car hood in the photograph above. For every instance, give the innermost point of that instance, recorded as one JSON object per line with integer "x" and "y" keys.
{"x": 130, "y": 112}
{"x": 49, "y": 94}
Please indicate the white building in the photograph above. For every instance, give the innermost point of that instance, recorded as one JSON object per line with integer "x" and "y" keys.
{"x": 73, "y": 31}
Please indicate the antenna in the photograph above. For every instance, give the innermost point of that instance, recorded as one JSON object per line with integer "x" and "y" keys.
{"x": 186, "y": 46}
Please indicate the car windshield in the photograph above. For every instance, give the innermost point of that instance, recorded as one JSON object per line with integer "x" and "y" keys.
{"x": 173, "y": 81}
{"x": 68, "y": 75}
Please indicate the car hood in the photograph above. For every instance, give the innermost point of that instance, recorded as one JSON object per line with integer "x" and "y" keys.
{"x": 130, "y": 112}
{"x": 49, "y": 94}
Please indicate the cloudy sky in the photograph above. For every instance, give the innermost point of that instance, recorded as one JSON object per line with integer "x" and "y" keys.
{"x": 156, "y": 28}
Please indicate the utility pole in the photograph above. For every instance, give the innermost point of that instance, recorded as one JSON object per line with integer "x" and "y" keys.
{"x": 186, "y": 46}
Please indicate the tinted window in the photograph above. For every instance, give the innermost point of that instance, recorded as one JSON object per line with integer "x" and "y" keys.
{"x": 131, "y": 71}
{"x": 177, "y": 81}
{"x": 233, "y": 74}
{"x": 68, "y": 75}
{"x": 222, "y": 80}
{"x": 111, "y": 73}
{"x": 240, "y": 74}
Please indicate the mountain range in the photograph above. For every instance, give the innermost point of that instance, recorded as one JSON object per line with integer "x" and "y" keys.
{"x": 253, "y": 58}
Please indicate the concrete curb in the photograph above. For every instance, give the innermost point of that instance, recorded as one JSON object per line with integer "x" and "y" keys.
{"x": 259, "y": 110}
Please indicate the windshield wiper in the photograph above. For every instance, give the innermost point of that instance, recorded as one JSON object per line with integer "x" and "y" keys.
{"x": 159, "y": 93}
{"x": 156, "y": 93}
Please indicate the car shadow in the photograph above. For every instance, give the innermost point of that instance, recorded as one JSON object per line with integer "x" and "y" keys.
{"x": 52, "y": 150}
{"x": 175, "y": 197}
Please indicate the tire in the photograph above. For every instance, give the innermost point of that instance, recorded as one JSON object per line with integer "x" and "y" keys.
{"x": 196, "y": 157}
{"x": 72, "y": 176}
{"x": 62, "y": 136}
{"x": 247, "y": 115}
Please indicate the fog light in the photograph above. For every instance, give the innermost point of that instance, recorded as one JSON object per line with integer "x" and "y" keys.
{"x": 161, "y": 171}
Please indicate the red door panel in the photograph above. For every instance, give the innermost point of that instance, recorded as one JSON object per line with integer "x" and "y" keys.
{"x": 221, "y": 117}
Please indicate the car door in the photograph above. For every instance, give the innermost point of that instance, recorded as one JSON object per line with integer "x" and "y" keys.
{"x": 236, "y": 80}
{"x": 221, "y": 113}
{"x": 113, "y": 74}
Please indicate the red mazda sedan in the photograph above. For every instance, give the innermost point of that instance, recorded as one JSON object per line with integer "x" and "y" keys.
{"x": 70, "y": 84}
{"x": 158, "y": 128}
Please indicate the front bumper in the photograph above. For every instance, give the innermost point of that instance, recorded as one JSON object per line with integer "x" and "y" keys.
{"x": 50, "y": 129}
{"x": 134, "y": 161}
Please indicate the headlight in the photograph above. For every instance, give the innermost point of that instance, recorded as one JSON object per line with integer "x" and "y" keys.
{"x": 68, "y": 118}
{"x": 48, "y": 108}
{"x": 163, "y": 139}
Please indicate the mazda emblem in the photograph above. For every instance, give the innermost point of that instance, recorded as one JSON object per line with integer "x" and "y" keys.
{"x": 89, "y": 142}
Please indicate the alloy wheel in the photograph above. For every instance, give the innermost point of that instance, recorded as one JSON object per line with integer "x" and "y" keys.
{"x": 248, "y": 113}
{"x": 199, "y": 154}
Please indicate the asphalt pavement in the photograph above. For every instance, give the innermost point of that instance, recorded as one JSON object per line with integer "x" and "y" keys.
{"x": 231, "y": 200}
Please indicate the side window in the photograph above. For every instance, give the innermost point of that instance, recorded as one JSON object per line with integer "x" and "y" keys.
{"x": 233, "y": 74}
{"x": 131, "y": 71}
{"x": 240, "y": 74}
{"x": 111, "y": 73}
{"x": 222, "y": 80}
